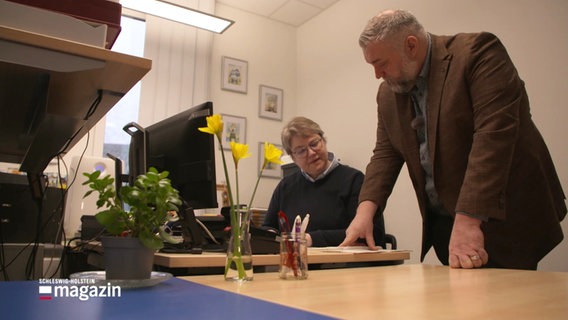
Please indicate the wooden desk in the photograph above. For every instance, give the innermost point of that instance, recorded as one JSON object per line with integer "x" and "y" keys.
{"x": 209, "y": 259}
{"x": 412, "y": 292}
{"x": 392, "y": 292}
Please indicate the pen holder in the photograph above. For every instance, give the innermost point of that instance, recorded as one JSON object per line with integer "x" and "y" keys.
{"x": 293, "y": 258}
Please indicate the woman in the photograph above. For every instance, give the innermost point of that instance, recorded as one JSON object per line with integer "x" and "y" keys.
{"x": 323, "y": 187}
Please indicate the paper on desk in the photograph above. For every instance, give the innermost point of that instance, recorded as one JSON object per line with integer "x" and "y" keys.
{"x": 352, "y": 249}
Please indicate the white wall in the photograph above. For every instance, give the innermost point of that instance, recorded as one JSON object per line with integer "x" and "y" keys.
{"x": 181, "y": 58}
{"x": 337, "y": 88}
{"x": 269, "y": 47}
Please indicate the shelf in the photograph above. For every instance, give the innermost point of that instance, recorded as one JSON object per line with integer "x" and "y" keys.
{"x": 53, "y": 91}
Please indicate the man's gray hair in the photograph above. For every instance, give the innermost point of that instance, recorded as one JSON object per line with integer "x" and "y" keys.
{"x": 390, "y": 23}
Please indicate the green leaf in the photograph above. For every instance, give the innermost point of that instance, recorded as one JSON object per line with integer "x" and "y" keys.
{"x": 112, "y": 221}
{"x": 88, "y": 193}
{"x": 151, "y": 241}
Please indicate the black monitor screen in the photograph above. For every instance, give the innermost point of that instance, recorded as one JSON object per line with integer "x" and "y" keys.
{"x": 176, "y": 145}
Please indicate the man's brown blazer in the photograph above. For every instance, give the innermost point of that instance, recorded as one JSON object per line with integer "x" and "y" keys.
{"x": 488, "y": 157}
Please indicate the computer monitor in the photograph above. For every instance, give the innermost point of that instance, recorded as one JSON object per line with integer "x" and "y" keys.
{"x": 176, "y": 145}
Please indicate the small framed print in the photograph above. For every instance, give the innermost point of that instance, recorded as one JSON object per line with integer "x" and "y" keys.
{"x": 270, "y": 103}
{"x": 234, "y": 129}
{"x": 272, "y": 170}
{"x": 234, "y": 75}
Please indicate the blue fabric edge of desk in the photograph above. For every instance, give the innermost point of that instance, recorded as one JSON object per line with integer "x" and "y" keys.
{"x": 172, "y": 299}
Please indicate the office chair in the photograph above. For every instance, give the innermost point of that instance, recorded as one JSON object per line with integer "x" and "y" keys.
{"x": 390, "y": 241}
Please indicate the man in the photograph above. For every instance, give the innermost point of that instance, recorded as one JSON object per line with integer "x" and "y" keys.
{"x": 454, "y": 109}
{"x": 323, "y": 187}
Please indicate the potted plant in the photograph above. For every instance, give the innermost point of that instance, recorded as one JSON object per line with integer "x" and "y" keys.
{"x": 136, "y": 215}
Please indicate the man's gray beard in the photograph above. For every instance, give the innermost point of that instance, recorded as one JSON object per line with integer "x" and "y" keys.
{"x": 401, "y": 87}
{"x": 405, "y": 84}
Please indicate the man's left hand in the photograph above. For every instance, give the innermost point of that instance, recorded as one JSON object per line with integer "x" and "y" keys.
{"x": 467, "y": 248}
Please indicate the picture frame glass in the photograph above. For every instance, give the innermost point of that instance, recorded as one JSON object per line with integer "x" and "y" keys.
{"x": 234, "y": 75}
{"x": 272, "y": 170}
{"x": 270, "y": 105}
{"x": 234, "y": 129}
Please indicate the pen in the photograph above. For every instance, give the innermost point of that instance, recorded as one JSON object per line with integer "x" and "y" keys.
{"x": 296, "y": 233}
{"x": 295, "y": 257}
{"x": 285, "y": 231}
{"x": 304, "y": 226}
{"x": 283, "y": 220}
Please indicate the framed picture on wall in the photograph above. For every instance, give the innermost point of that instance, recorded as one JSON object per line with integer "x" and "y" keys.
{"x": 270, "y": 103}
{"x": 272, "y": 170}
{"x": 234, "y": 75}
{"x": 234, "y": 129}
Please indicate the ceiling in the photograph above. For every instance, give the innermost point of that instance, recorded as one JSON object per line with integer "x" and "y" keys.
{"x": 292, "y": 12}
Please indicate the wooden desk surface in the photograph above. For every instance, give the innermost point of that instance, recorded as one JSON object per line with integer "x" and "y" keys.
{"x": 209, "y": 259}
{"x": 412, "y": 292}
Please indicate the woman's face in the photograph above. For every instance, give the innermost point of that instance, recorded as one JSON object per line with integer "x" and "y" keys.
{"x": 310, "y": 154}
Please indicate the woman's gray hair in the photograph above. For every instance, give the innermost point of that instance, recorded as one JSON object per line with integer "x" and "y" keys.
{"x": 299, "y": 126}
{"x": 390, "y": 23}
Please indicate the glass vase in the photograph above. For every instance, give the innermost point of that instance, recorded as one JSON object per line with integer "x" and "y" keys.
{"x": 238, "y": 266}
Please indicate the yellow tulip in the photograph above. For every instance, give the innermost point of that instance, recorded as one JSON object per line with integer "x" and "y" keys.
{"x": 271, "y": 154}
{"x": 214, "y": 126}
{"x": 240, "y": 151}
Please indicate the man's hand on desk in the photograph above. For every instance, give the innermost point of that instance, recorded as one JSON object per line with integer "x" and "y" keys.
{"x": 467, "y": 243}
{"x": 362, "y": 226}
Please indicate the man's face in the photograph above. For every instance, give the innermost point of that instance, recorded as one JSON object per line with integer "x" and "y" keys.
{"x": 393, "y": 65}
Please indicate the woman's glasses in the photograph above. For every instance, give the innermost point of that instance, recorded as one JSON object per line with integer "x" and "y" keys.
{"x": 302, "y": 152}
